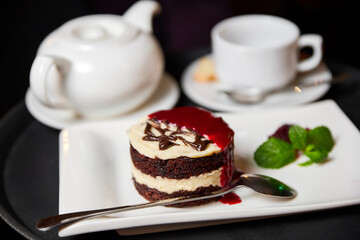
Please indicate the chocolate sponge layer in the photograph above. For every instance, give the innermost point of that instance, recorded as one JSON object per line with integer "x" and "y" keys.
{"x": 152, "y": 194}
{"x": 177, "y": 168}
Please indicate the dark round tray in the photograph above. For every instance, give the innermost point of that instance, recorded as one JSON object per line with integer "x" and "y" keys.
{"x": 29, "y": 169}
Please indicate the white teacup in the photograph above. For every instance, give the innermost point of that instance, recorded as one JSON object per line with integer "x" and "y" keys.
{"x": 261, "y": 51}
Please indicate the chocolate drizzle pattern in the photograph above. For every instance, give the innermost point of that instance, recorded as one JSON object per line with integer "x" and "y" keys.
{"x": 168, "y": 137}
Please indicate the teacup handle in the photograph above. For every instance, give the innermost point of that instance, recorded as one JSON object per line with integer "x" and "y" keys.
{"x": 46, "y": 81}
{"x": 315, "y": 42}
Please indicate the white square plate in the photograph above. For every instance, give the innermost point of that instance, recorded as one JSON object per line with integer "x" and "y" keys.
{"x": 95, "y": 173}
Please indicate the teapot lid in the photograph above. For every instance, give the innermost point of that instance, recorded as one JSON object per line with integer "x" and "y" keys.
{"x": 98, "y": 29}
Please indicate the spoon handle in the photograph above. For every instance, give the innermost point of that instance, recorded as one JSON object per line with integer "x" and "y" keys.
{"x": 69, "y": 218}
{"x": 337, "y": 79}
{"x": 259, "y": 183}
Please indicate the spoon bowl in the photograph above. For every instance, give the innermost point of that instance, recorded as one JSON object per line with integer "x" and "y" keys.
{"x": 259, "y": 183}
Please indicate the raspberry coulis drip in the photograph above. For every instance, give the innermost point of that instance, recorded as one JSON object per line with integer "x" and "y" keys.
{"x": 232, "y": 198}
{"x": 282, "y": 132}
{"x": 199, "y": 120}
{"x": 228, "y": 168}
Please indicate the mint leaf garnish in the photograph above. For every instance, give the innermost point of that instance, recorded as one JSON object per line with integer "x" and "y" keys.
{"x": 316, "y": 155}
{"x": 321, "y": 138}
{"x": 314, "y": 143}
{"x": 307, "y": 163}
{"x": 298, "y": 136}
{"x": 274, "y": 153}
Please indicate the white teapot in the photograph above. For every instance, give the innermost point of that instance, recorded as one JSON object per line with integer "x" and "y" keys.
{"x": 100, "y": 65}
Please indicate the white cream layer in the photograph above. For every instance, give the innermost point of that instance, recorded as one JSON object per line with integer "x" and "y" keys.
{"x": 151, "y": 148}
{"x": 169, "y": 186}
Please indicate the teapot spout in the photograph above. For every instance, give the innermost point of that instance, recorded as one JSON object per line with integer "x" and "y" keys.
{"x": 141, "y": 13}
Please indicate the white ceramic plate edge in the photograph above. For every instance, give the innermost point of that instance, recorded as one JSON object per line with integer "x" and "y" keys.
{"x": 232, "y": 213}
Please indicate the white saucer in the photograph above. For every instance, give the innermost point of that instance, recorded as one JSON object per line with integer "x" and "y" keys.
{"x": 206, "y": 94}
{"x": 165, "y": 97}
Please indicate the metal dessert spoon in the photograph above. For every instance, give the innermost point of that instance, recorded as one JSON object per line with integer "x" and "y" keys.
{"x": 251, "y": 95}
{"x": 259, "y": 183}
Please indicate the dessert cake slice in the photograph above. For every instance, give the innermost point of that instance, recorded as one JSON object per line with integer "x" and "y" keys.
{"x": 180, "y": 152}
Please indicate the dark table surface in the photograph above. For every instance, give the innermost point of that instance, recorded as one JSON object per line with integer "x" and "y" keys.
{"x": 28, "y": 193}
{"x": 183, "y": 25}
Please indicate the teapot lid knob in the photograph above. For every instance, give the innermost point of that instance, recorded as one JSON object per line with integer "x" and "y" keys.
{"x": 99, "y": 29}
{"x": 90, "y": 32}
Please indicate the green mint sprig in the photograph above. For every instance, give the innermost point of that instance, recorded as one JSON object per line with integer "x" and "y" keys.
{"x": 315, "y": 143}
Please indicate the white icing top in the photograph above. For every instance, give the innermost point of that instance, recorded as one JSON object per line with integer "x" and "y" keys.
{"x": 151, "y": 148}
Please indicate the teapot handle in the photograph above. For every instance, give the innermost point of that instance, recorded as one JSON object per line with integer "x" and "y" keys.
{"x": 46, "y": 81}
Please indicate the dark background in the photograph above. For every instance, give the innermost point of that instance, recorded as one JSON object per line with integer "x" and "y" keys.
{"x": 181, "y": 27}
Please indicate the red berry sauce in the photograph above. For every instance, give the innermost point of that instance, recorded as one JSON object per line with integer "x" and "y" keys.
{"x": 282, "y": 133}
{"x": 199, "y": 120}
{"x": 230, "y": 199}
